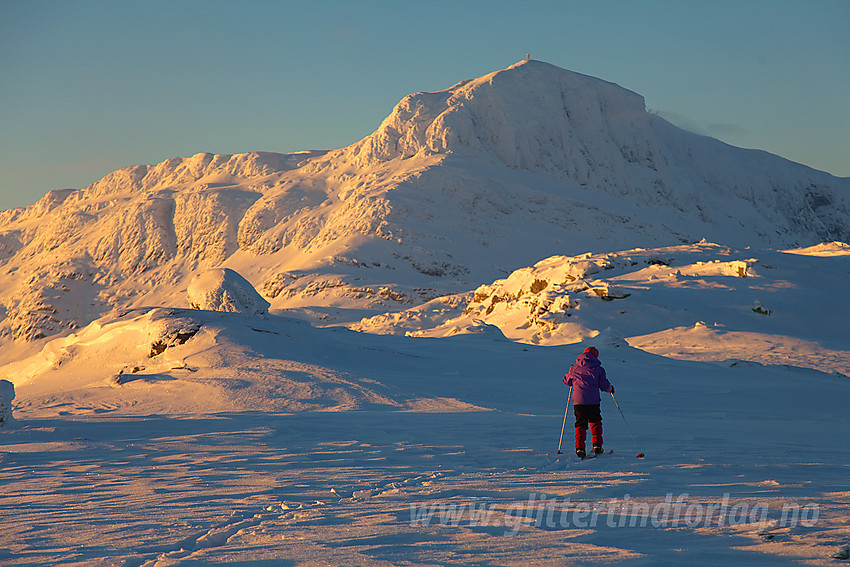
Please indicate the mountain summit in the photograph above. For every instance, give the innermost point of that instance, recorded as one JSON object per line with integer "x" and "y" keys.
{"x": 531, "y": 116}
{"x": 455, "y": 188}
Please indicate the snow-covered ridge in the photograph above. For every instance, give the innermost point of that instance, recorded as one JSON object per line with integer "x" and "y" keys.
{"x": 455, "y": 188}
{"x": 184, "y": 361}
{"x": 661, "y": 297}
{"x": 823, "y": 249}
{"x": 137, "y": 218}
{"x": 537, "y": 117}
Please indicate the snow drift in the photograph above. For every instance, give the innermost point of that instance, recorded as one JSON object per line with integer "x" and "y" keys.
{"x": 700, "y": 301}
{"x": 182, "y": 361}
{"x": 222, "y": 289}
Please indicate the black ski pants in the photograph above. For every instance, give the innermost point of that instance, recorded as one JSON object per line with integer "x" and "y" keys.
{"x": 587, "y": 413}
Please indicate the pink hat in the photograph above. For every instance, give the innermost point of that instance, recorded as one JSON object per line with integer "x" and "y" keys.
{"x": 592, "y": 350}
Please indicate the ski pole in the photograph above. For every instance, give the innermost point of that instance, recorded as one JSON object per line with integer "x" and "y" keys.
{"x": 566, "y": 410}
{"x": 640, "y": 454}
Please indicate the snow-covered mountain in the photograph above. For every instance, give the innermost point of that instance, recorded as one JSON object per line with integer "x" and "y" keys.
{"x": 455, "y": 188}
{"x": 188, "y": 418}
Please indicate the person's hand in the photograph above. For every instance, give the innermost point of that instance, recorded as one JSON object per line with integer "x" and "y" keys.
{"x": 612, "y": 389}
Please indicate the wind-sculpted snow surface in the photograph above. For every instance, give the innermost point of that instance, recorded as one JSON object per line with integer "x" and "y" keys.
{"x": 233, "y": 447}
{"x": 181, "y": 361}
{"x": 455, "y": 188}
{"x": 699, "y": 302}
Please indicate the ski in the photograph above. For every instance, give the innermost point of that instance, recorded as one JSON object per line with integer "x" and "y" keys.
{"x": 593, "y": 455}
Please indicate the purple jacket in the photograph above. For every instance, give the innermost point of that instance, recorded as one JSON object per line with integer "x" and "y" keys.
{"x": 587, "y": 377}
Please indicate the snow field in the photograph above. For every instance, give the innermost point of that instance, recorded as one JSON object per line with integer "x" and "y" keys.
{"x": 347, "y": 487}
{"x": 178, "y": 436}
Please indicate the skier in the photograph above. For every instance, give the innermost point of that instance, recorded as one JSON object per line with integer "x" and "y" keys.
{"x": 587, "y": 378}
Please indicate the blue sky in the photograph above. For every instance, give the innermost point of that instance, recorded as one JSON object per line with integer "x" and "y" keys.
{"x": 87, "y": 87}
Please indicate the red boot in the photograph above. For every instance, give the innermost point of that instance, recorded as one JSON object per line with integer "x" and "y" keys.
{"x": 596, "y": 436}
{"x": 581, "y": 435}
